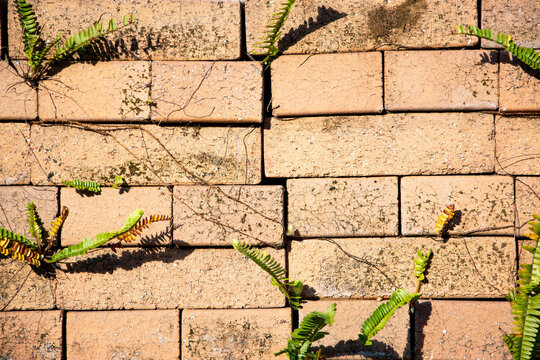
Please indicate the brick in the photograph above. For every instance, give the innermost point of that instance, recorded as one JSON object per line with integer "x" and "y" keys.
{"x": 518, "y": 18}
{"x": 517, "y": 145}
{"x": 101, "y": 91}
{"x": 527, "y": 201}
{"x": 484, "y": 204}
{"x": 350, "y": 25}
{"x": 343, "y": 84}
{"x": 166, "y": 278}
{"x": 342, "y": 341}
{"x": 18, "y": 100}
{"x": 108, "y": 211}
{"x": 343, "y": 207}
{"x": 235, "y": 334}
{"x": 168, "y": 29}
{"x": 329, "y": 273}
{"x": 213, "y": 154}
{"x": 392, "y": 144}
{"x": 462, "y": 329}
{"x": 519, "y": 85}
{"x": 208, "y": 217}
{"x": 30, "y": 335}
{"x": 16, "y": 157}
{"x": 13, "y": 200}
{"x": 440, "y": 80}
{"x": 207, "y": 91}
{"x": 123, "y": 334}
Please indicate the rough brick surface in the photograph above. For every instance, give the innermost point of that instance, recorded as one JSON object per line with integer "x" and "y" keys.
{"x": 464, "y": 267}
{"x": 393, "y": 144}
{"x": 166, "y": 278}
{"x": 518, "y": 18}
{"x": 462, "y": 330}
{"x": 527, "y": 201}
{"x": 519, "y": 85}
{"x": 440, "y": 80}
{"x": 327, "y": 84}
{"x": 205, "y": 216}
{"x": 13, "y": 200}
{"x": 214, "y": 154}
{"x": 484, "y": 204}
{"x": 30, "y": 335}
{"x": 135, "y": 334}
{"x": 235, "y": 334}
{"x": 78, "y": 90}
{"x": 517, "y": 145}
{"x": 350, "y": 25}
{"x": 108, "y": 211}
{"x": 18, "y": 101}
{"x": 342, "y": 341}
{"x": 207, "y": 91}
{"x": 166, "y": 29}
{"x": 343, "y": 207}
{"x": 16, "y": 157}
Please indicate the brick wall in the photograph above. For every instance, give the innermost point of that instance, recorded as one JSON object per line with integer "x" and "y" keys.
{"x": 376, "y": 117}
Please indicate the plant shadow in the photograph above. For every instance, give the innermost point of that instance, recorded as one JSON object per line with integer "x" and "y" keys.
{"x": 422, "y": 314}
{"x": 344, "y": 348}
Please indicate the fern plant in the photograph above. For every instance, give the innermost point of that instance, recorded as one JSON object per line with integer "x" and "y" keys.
{"x": 291, "y": 289}
{"x": 309, "y": 331}
{"x": 268, "y": 47}
{"x": 524, "y": 341}
{"x": 527, "y": 55}
{"x": 39, "y": 52}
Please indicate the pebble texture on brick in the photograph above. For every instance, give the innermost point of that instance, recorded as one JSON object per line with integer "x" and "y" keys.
{"x": 343, "y": 207}
{"x": 18, "y": 101}
{"x": 519, "y": 85}
{"x": 327, "y": 84}
{"x": 16, "y": 157}
{"x": 207, "y": 91}
{"x": 392, "y": 144}
{"x": 440, "y": 80}
{"x": 517, "y": 145}
{"x": 235, "y": 334}
{"x": 205, "y": 216}
{"x": 527, "y": 201}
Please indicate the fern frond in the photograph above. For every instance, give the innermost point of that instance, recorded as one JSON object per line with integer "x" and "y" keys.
{"x": 421, "y": 264}
{"x": 21, "y": 239}
{"x": 382, "y": 314}
{"x": 34, "y": 223}
{"x": 527, "y": 55}
{"x": 30, "y": 28}
{"x": 57, "y": 223}
{"x": 291, "y": 289}
{"x": 83, "y": 185}
{"x": 19, "y": 251}
{"x": 140, "y": 226}
{"x": 87, "y": 244}
{"x": 268, "y": 45}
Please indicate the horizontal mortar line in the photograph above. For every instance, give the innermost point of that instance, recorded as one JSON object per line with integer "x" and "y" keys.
{"x": 427, "y": 237}
{"x": 386, "y": 112}
{"x": 163, "y": 124}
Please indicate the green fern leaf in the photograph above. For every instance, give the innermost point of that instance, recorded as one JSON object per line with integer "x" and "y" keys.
{"x": 87, "y": 244}
{"x": 382, "y": 314}
{"x": 34, "y": 222}
{"x": 83, "y": 185}
{"x": 420, "y": 264}
{"x": 21, "y": 239}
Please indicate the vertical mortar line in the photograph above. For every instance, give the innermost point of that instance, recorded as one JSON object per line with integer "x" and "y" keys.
{"x": 399, "y": 223}
{"x": 516, "y": 241}
{"x": 3, "y": 26}
{"x": 64, "y": 335}
{"x": 243, "y": 35}
{"x": 150, "y": 79}
{"x": 180, "y": 334}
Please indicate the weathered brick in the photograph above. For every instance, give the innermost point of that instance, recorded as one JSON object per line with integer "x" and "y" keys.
{"x": 518, "y": 18}
{"x": 214, "y": 154}
{"x": 101, "y": 91}
{"x": 207, "y": 91}
{"x": 393, "y": 144}
{"x": 18, "y": 101}
{"x": 13, "y": 200}
{"x": 440, "y": 80}
{"x": 342, "y": 341}
{"x": 235, "y": 334}
{"x": 166, "y": 278}
{"x": 167, "y": 29}
{"x": 527, "y": 201}
{"x": 123, "y": 334}
{"x": 484, "y": 204}
{"x": 205, "y": 216}
{"x": 15, "y": 155}
{"x": 517, "y": 145}
{"x": 465, "y": 267}
{"x": 350, "y": 25}
{"x": 519, "y": 85}
{"x": 343, "y": 84}
{"x": 28, "y": 335}
{"x": 462, "y": 329}
{"x": 343, "y": 207}
{"x": 108, "y": 211}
